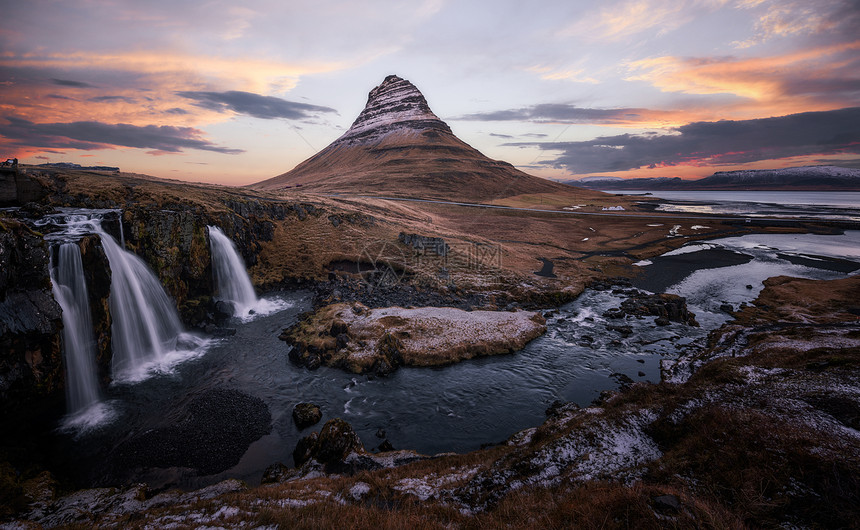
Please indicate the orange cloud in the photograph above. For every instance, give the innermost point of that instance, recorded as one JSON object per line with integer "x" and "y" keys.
{"x": 615, "y": 22}
{"x": 815, "y": 79}
{"x": 142, "y": 86}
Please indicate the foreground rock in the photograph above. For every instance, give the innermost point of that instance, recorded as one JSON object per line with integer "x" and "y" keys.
{"x": 363, "y": 340}
{"x": 306, "y": 414}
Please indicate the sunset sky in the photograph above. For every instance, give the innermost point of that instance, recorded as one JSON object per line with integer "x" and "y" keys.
{"x": 234, "y": 93}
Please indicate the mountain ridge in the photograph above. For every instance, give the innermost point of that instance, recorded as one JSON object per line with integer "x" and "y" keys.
{"x": 801, "y": 178}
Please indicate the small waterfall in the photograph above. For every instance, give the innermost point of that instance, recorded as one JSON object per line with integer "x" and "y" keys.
{"x": 146, "y": 325}
{"x": 79, "y": 351}
{"x": 232, "y": 283}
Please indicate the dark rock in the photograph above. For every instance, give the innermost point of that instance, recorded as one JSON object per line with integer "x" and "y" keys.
{"x": 385, "y": 446}
{"x": 276, "y": 473}
{"x": 625, "y": 331}
{"x": 224, "y": 309}
{"x": 749, "y": 286}
{"x": 666, "y": 504}
{"x": 727, "y": 308}
{"x": 667, "y": 307}
{"x": 305, "y": 448}
{"x": 380, "y": 433}
{"x": 424, "y": 243}
{"x": 30, "y": 319}
{"x": 342, "y": 340}
{"x": 313, "y": 361}
{"x": 225, "y": 421}
{"x": 330, "y": 447}
{"x": 641, "y": 373}
{"x": 306, "y": 414}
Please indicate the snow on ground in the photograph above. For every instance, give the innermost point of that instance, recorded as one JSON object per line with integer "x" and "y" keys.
{"x": 431, "y": 486}
{"x": 605, "y": 450}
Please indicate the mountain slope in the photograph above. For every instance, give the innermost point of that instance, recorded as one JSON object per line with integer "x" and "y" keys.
{"x": 398, "y": 147}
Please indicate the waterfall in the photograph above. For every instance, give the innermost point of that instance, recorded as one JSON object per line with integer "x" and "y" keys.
{"x": 146, "y": 333}
{"x": 79, "y": 351}
{"x": 232, "y": 283}
{"x": 146, "y": 326}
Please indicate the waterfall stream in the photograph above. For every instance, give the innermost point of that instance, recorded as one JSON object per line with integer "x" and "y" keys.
{"x": 232, "y": 283}
{"x": 79, "y": 352}
{"x": 146, "y": 333}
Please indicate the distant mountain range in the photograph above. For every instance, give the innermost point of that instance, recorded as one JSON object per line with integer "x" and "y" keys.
{"x": 398, "y": 147}
{"x": 806, "y": 178}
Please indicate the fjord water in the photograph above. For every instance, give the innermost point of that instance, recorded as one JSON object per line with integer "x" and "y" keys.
{"x": 786, "y": 204}
{"x": 232, "y": 283}
{"x": 79, "y": 352}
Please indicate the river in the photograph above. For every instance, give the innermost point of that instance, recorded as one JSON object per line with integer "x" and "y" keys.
{"x": 455, "y": 408}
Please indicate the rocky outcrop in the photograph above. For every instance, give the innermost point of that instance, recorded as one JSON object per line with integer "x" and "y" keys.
{"x": 337, "y": 449}
{"x": 30, "y": 319}
{"x": 436, "y": 245}
{"x": 306, "y": 414}
{"x": 363, "y": 340}
{"x": 98, "y": 277}
{"x": 666, "y": 307}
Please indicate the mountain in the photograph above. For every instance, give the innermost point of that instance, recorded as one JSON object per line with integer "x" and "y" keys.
{"x": 805, "y": 178}
{"x": 398, "y": 147}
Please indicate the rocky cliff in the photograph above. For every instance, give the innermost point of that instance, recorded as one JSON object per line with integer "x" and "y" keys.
{"x": 30, "y": 319}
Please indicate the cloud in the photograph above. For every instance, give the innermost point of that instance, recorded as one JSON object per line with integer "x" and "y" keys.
{"x": 714, "y": 143}
{"x": 828, "y": 19}
{"x": 102, "y": 99}
{"x": 505, "y": 136}
{"x": 620, "y": 20}
{"x": 264, "y": 107}
{"x": 826, "y": 75}
{"x": 67, "y": 82}
{"x": 91, "y": 135}
{"x": 565, "y": 113}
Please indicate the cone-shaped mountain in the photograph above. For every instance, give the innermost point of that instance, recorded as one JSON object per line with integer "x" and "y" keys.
{"x": 398, "y": 147}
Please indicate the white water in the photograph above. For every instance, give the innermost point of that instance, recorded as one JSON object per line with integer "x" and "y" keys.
{"x": 146, "y": 333}
{"x": 79, "y": 349}
{"x": 232, "y": 283}
{"x": 147, "y": 336}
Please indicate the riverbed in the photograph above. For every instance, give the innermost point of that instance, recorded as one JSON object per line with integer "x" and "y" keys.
{"x": 455, "y": 408}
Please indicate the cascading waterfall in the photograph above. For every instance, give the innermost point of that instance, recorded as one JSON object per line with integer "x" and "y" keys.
{"x": 79, "y": 352}
{"x": 146, "y": 333}
{"x": 146, "y": 329}
{"x": 232, "y": 283}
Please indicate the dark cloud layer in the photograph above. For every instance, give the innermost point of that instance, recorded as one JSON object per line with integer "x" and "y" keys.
{"x": 560, "y": 113}
{"x": 68, "y": 82}
{"x": 265, "y": 107}
{"x": 103, "y": 99}
{"x": 715, "y": 143}
{"x": 90, "y": 135}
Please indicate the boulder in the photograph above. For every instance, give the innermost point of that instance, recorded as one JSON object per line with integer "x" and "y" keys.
{"x": 331, "y": 447}
{"x": 306, "y": 414}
